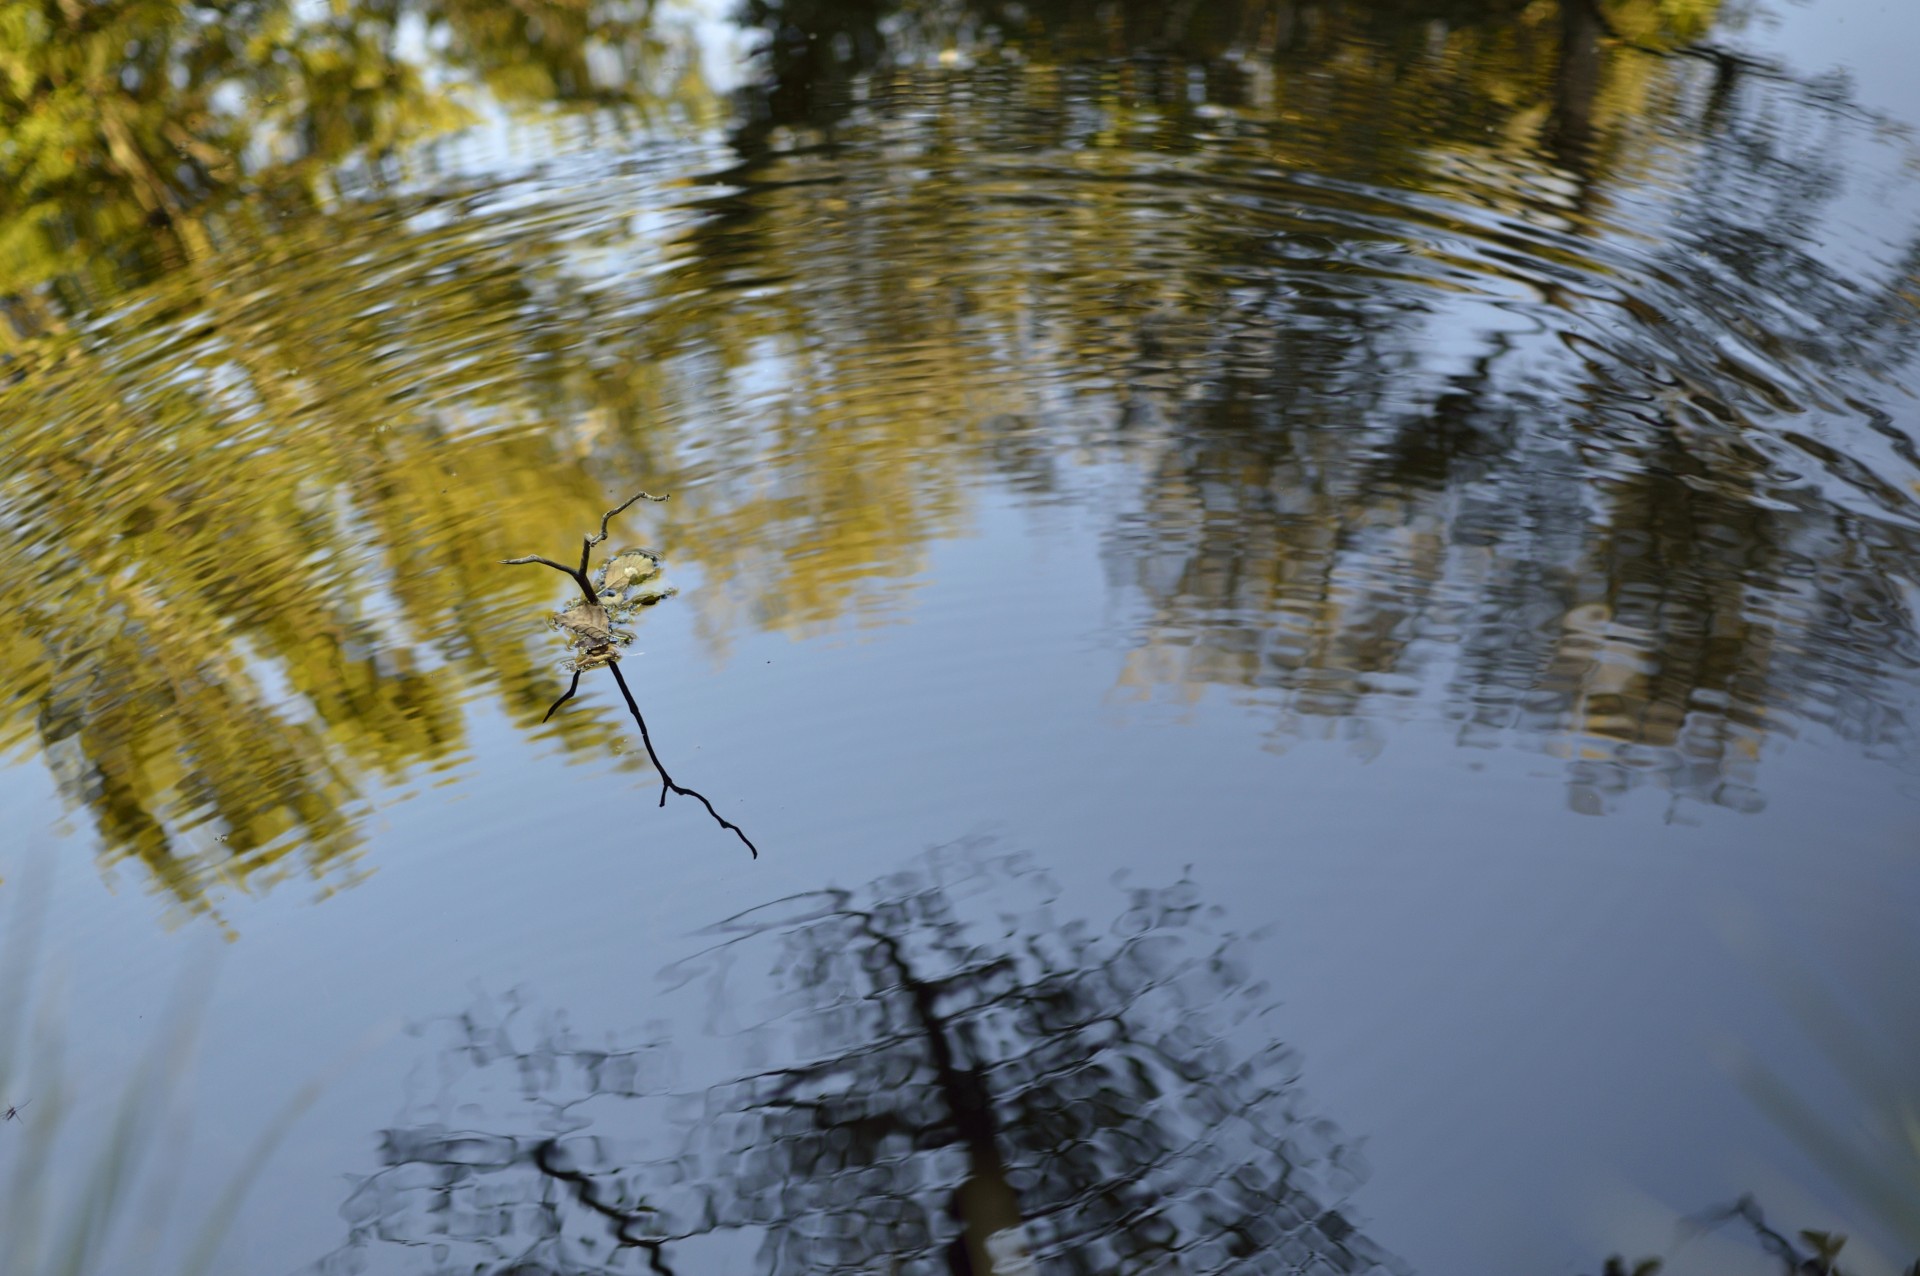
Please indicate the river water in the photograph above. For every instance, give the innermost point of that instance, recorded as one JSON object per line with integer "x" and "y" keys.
{"x": 1310, "y": 608}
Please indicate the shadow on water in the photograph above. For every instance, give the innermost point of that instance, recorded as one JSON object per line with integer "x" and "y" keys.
{"x": 1471, "y": 362}
{"x": 926, "y": 1090}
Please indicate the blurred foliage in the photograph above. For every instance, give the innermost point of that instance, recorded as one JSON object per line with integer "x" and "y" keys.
{"x": 925, "y": 1090}
{"x": 121, "y": 119}
{"x": 1283, "y": 259}
{"x": 122, "y": 126}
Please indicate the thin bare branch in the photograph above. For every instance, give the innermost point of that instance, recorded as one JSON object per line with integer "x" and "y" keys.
{"x": 535, "y": 558}
{"x": 621, "y": 508}
{"x": 603, "y": 638}
{"x": 666, "y": 781}
{"x": 579, "y": 577}
{"x": 579, "y": 573}
{"x": 571, "y": 688}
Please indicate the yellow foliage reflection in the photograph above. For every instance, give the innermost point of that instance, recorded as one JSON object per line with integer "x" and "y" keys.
{"x": 1415, "y": 358}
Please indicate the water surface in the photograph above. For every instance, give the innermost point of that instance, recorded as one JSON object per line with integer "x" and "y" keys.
{"x": 1428, "y": 491}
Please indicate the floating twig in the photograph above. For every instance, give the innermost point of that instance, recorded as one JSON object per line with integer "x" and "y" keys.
{"x": 666, "y": 781}
{"x": 579, "y": 576}
{"x": 599, "y": 645}
{"x": 571, "y": 688}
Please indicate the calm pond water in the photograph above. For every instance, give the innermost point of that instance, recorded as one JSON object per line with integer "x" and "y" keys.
{"x": 1311, "y": 607}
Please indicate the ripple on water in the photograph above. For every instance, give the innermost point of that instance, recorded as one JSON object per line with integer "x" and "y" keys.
{"x": 1384, "y": 410}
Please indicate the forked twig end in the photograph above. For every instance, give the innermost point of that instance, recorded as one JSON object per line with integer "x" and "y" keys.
{"x": 621, "y": 508}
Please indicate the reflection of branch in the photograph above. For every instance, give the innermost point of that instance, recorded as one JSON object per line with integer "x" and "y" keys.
{"x": 607, "y": 648}
{"x": 1098, "y": 1073}
{"x": 1792, "y": 1261}
{"x": 583, "y": 1191}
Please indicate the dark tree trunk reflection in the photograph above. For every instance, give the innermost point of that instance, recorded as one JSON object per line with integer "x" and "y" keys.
{"x": 922, "y": 1093}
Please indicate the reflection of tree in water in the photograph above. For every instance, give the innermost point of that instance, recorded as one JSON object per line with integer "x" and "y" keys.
{"x": 213, "y": 668}
{"x": 123, "y": 118}
{"x": 1354, "y": 288}
{"x": 1434, "y": 385}
{"x": 1615, "y": 549}
{"x": 920, "y": 1087}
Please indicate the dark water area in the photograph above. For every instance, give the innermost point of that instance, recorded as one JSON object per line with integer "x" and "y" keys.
{"x": 1311, "y": 608}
